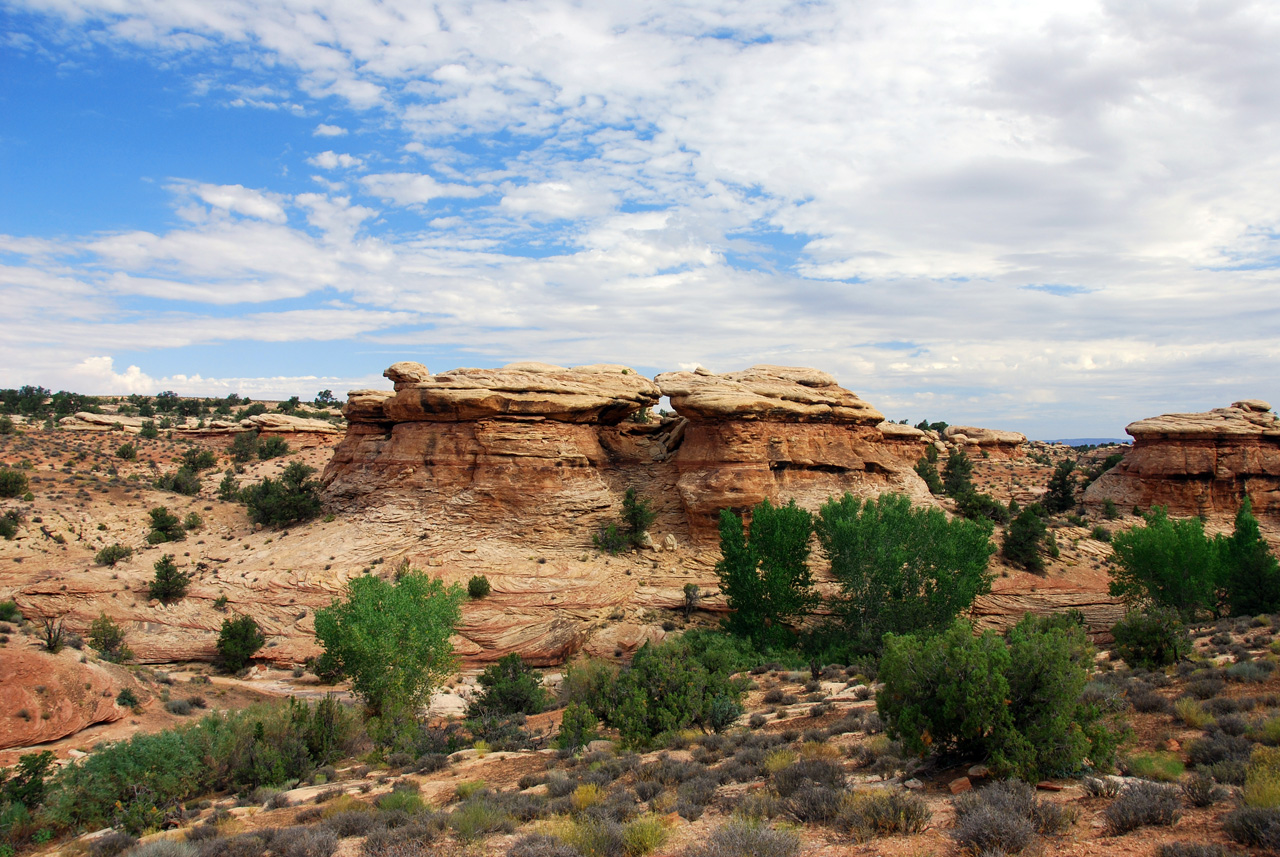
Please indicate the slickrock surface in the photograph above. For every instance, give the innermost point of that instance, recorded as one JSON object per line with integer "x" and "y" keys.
{"x": 766, "y": 393}
{"x": 44, "y": 697}
{"x": 1199, "y": 464}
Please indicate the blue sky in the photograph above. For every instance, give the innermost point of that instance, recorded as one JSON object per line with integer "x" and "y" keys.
{"x": 1055, "y": 218}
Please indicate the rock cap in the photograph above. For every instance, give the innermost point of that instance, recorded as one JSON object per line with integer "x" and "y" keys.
{"x": 766, "y": 393}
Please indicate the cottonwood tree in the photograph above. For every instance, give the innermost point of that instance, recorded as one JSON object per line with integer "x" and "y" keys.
{"x": 764, "y": 573}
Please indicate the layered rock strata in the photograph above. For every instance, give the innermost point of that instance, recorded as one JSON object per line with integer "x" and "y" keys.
{"x": 1198, "y": 464}
{"x": 990, "y": 441}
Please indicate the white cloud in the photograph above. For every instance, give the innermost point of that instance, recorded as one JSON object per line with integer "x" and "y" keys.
{"x": 237, "y": 199}
{"x": 414, "y": 188}
{"x": 333, "y": 160}
{"x": 323, "y": 130}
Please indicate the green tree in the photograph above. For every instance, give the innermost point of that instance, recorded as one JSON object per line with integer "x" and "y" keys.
{"x": 229, "y": 487}
{"x": 13, "y": 483}
{"x": 127, "y": 452}
{"x": 957, "y": 474}
{"x": 244, "y": 447}
{"x": 765, "y": 577}
{"x": 108, "y": 638}
{"x": 325, "y": 399}
{"x": 148, "y": 430}
{"x": 1152, "y": 638}
{"x": 272, "y": 447}
{"x": 509, "y": 686}
{"x": 669, "y": 687}
{"x": 1251, "y": 573}
{"x": 170, "y": 582}
{"x": 1167, "y": 562}
{"x": 1061, "y": 495}
{"x": 1015, "y": 702}
{"x": 629, "y": 533}
{"x": 1024, "y": 538}
{"x": 294, "y": 497}
{"x": 577, "y": 727}
{"x": 901, "y": 569}
{"x": 112, "y": 554}
{"x": 392, "y": 639}
{"x": 165, "y": 527}
{"x": 238, "y": 641}
{"x": 478, "y": 586}
{"x": 182, "y": 481}
{"x": 196, "y": 459}
{"x": 928, "y": 471}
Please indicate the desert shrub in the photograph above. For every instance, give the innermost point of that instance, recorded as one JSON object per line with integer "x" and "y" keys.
{"x": 882, "y": 812}
{"x": 1148, "y": 701}
{"x": 1024, "y": 539}
{"x": 244, "y": 447}
{"x": 577, "y": 727}
{"x": 229, "y": 487}
{"x": 196, "y": 459}
{"x": 1150, "y": 639}
{"x": 9, "y": 523}
{"x": 1018, "y": 799}
{"x": 989, "y": 830}
{"x": 509, "y": 686}
{"x": 170, "y": 582}
{"x": 1101, "y": 787}
{"x": 127, "y": 452}
{"x": 238, "y": 640}
{"x": 1200, "y": 790}
{"x": 1016, "y": 702}
{"x": 165, "y": 526}
{"x": 112, "y": 554}
{"x": 740, "y": 837}
{"x": 1251, "y": 671}
{"x": 294, "y": 497}
{"x": 1218, "y": 747}
{"x": 537, "y": 845}
{"x": 272, "y": 447}
{"x": 402, "y": 801}
{"x": 112, "y": 844}
{"x": 108, "y": 638}
{"x": 1143, "y": 804}
{"x": 350, "y": 822}
{"x": 478, "y": 586}
{"x": 179, "y": 707}
{"x": 164, "y": 848}
{"x": 479, "y": 817}
{"x": 822, "y": 772}
{"x": 301, "y": 841}
{"x": 13, "y": 483}
{"x": 1255, "y": 826}
{"x": 900, "y": 569}
{"x": 973, "y": 505}
{"x": 1262, "y": 778}
{"x": 1192, "y": 713}
{"x": 182, "y": 481}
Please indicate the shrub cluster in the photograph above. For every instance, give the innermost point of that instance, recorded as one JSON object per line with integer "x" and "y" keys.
{"x": 294, "y": 497}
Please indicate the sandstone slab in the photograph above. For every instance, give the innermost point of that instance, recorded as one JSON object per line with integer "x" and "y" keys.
{"x": 768, "y": 393}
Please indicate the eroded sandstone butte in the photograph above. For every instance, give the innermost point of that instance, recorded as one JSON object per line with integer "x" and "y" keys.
{"x": 1198, "y": 464}
{"x": 551, "y": 450}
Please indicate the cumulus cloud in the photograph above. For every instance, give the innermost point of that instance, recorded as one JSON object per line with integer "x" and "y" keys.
{"x": 1028, "y": 213}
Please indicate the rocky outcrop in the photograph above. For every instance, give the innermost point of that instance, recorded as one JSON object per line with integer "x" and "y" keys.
{"x": 990, "y": 441}
{"x": 45, "y": 697}
{"x": 301, "y": 432}
{"x": 1198, "y": 464}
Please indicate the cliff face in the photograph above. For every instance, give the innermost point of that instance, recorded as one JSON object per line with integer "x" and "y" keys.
{"x": 1199, "y": 464}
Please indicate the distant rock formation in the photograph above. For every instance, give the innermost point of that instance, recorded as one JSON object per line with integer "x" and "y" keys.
{"x": 1198, "y": 464}
{"x": 300, "y": 432}
{"x": 990, "y": 441}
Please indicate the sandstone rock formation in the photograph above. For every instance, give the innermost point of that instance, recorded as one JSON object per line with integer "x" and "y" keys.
{"x": 1198, "y": 464}
{"x": 990, "y": 441}
{"x": 44, "y": 697}
{"x": 299, "y": 431}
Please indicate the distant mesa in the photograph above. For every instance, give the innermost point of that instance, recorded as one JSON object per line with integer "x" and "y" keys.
{"x": 1198, "y": 464}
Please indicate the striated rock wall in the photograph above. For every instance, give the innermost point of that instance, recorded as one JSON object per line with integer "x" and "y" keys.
{"x": 1198, "y": 464}
{"x": 45, "y": 697}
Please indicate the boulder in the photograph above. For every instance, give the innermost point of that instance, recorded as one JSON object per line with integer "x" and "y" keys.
{"x": 406, "y": 372}
{"x": 365, "y": 406}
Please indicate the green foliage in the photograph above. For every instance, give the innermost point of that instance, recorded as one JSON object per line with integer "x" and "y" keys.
{"x": 974, "y": 506}
{"x": 509, "y": 686}
{"x": 140, "y": 783}
{"x": 196, "y": 459}
{"x": 170, "y": 582}
{"x": 108, "y": 638}
{"x": 9, "y": 612}
{"x": 9, "y": 522}
{"x": 1168, "y": 562}
{"x": 148, "y": 430}
{"x": 229, "y": 487}
{"x": 1061, "y": 495}
{"x": 1015, "y": 702}
{"x": 957, "y": 474}
{"x": 1109, "y": 509}
{"x": 165, "y": 527}
{"x": 1024, "y": 539}
{"x": 925, "y": 425}
{"x": 294, "y": 497}
{"x": 478, "y": 586}
{"x": 928, "y": 471}
{"x": 692, "y": 595}
{"x": 1250, "y": 571}
{"x": 181, "y": 481}
{"x": 629, "y": 533}
{"x": 325, "y": 399}
{"x": 272, "y": 447}
{"x": 112, "y": 554}
{"x": 672, "y": 686}
{"x": 6, "y": 425}
{"x": 1152, "y": 638}
{"x": 244, "y": 447}
{"x": 765, "y": 576}
{"x": 13, "y": 483}
{"x": 251, "y": 411}
{"x": 127, "y": 451}
{"x": 238, "y": 641}
{"x": 577, "y": 727}
{"x": 392, "y": 639}
{"x": 25, "y": 784}
{"x": 901, "y": 569}
{"x": 192, "y": 521}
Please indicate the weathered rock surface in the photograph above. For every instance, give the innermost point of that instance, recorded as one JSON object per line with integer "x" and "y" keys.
{"x": 44, "y": 697}
{"x": 985, "y": 439}
{"x": 602, "y": 393}
{"x": 766, "y": 393}
{"x": 1198, "y": 464}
